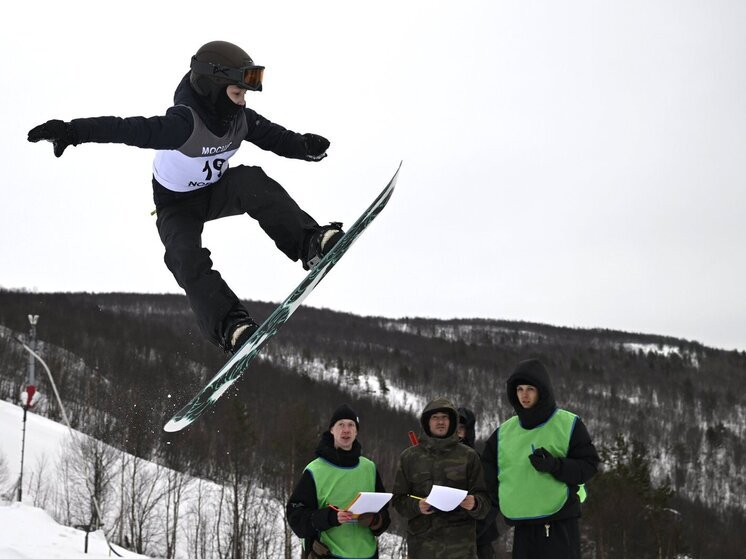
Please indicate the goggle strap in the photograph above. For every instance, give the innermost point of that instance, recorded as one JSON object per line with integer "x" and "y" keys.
{"x": 235, "y": 74}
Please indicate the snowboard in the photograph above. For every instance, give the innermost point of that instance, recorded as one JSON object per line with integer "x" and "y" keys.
{"x": 239, "y": 362}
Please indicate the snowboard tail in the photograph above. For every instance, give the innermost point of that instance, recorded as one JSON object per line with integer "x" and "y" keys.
{"x": 238, "y": 363}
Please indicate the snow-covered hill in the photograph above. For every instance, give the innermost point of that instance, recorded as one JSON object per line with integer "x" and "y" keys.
{"x": 44, "y": 440}
{"x": 51, "y": 475}
{"x": 28, "y": 532}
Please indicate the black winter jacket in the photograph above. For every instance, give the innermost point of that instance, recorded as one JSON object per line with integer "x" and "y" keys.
{"x": 173, "y": 129}
{"x": 487, "y": 531}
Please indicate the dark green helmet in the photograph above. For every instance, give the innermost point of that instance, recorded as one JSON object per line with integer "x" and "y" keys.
{"x": 219, "y": 64}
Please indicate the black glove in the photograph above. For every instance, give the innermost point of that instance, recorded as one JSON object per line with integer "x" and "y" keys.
{"x": 370, "y": 519}
{"x": 316, "y": 147}
{"x": 61, "y": 134}
{"x": 543, "y": 461}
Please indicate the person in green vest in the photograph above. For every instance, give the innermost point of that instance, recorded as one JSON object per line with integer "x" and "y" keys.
{"x": 315, "y": 510}
{"x": 440, "y": 459}
{"x": 535, "y": 464}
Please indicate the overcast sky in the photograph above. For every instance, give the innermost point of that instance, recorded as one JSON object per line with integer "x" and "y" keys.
{"x": 577, "y": 163}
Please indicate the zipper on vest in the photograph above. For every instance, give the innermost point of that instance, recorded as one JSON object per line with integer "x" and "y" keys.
{"x": 546, "y": 529}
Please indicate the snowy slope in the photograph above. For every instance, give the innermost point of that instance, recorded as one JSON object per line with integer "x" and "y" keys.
{"x": 27, "y": 532}
{"x": 44, "y": 439}
{"x": 30, "y": 533}
{"x": 46, "y": 445}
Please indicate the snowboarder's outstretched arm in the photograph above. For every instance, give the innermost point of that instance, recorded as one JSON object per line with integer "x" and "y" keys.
{"x": 281, "y": 141}
{"x": 157, "y": 132}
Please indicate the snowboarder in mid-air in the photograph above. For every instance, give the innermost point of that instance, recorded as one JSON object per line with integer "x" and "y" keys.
{"x": 193, "y": 184}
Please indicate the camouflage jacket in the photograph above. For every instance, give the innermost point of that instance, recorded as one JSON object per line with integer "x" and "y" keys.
{"x": 440, "y": 461}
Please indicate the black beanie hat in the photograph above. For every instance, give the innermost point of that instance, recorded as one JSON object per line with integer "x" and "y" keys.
{"x": 344, "y": 412}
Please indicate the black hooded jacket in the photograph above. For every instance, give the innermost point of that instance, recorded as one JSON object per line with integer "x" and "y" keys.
{"x": 581, "y": 462}
{"x": 467, "y": 417}
{"x": 303, "y": 513}
{"x": 173, "y": 129}
{"x": 487, "y": 531}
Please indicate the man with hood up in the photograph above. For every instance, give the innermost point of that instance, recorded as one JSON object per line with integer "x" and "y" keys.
{"x": 329, "y": 483}
{"x": 440, "y": 459}
{"x": 193, "y": 184}
{"x": 536, "y": 463}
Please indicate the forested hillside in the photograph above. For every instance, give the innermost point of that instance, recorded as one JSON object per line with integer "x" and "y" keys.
{"x": 671, "y": 411}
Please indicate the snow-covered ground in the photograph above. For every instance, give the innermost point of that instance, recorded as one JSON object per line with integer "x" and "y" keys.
{"x": 27, "y": 532}
{"x": 45, "y": 440}
{"x": 48, "y": 446}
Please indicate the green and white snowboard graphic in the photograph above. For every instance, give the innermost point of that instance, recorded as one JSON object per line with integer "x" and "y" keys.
{"x": 238, "y": 364}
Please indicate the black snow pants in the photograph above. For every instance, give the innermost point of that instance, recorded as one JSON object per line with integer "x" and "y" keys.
{"x": 561, "y": 540}
{"x": 181, "y": 219}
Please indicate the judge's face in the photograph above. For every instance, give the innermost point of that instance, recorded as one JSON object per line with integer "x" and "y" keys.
{"x": 344, "y": 432}
{"x": 439, "y": 423}
{"x": 527, "y": 395}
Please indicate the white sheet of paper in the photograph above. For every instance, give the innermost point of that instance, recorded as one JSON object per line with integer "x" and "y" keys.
{"x": 445, "y": 498}
{"x": 369, "y": 502}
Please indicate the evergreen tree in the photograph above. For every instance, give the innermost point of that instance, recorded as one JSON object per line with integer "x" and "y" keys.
{"x": 627, "y": 513}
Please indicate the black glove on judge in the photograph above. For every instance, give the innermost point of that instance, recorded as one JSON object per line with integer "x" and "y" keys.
{"x": 61, "y": 134}
{"x": 316, "y": 147}
{"x": 543, "y": 461}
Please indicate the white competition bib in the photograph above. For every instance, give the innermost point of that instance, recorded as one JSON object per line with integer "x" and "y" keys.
{"x": 203, "y": 158}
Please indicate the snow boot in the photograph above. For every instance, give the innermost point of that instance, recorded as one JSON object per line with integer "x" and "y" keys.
{"x": 241, "y": 334}
{"x": 320, "y": 242}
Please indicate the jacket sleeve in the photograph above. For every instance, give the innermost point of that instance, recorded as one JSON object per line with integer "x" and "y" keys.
{"x": 489, "y": 465}
{"x": 582, "y": 460}
{"x": 384, "y": 512}
{"x": 273, "y": 137}
{"x": 402, "y": 502}
{"x": 303, "y": 514}
{"x": 477, "y": 487}
{"x": 158, "y": 132}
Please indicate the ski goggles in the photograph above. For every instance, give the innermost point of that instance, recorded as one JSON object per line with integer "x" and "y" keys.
{"x": 246, "y": 77}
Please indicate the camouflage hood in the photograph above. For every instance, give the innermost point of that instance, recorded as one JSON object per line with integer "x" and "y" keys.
{"x": 439, "y": 405}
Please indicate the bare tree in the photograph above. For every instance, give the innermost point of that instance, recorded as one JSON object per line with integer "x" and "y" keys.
{"x": 177, "y": 485}
{"x": 4, "y": 476}
{"x": 67, "y": 497}
{"x": 263, "y": 539}
{"x": 144, "y": 494}
{"x": 237, "y": 471}
{"x": 198, "y": 529}
{"x": 38, "y": 484}
{"x": 293, "y": 450}
{"x": 87, "y": 467}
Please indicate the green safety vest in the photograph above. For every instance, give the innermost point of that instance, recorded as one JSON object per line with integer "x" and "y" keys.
{"x": 525, "y": 493}
{"x": 338, "y": 486}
